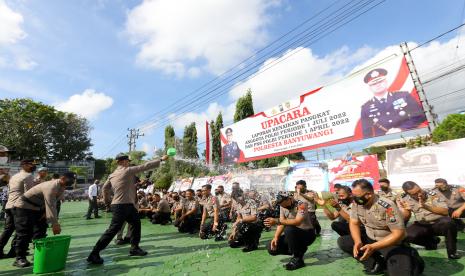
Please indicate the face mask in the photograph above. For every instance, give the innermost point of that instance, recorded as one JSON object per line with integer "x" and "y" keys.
{"x": 361, "y": 200}
{"x": 33, "y": 168}
{"x": 3, "y": 160}
{"x": 217, "y": 193}
{"x": 345, "y": 201}
{"x": 442, "y": 188}
{"x": 69, "y": 182}
{"x": 384, "y": 188}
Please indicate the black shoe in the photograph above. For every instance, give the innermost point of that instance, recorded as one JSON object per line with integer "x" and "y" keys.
{"x": 2, "y": 255}
{"x": 127, "y": 240}
{"x": 22, "y": 263}
{"x": 88, "y": 218}
{"x": 137, "y": 252}
{"x": 376, "y": 270}
{"x": 453, "y": 256}
{"x": 294, "y": 263}
{"x": 249, "y": 248}
{"x": 94, "y": 258}
{"x": 219, "y": 238}
{"x": 119, "y": 242}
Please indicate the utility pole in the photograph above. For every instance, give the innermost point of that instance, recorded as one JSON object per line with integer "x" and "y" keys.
{"x": 133, "y": 135}
{"x": 430, "y": 115}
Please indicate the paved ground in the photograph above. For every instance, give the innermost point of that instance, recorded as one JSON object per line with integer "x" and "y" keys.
{"x": 171, "y": 253}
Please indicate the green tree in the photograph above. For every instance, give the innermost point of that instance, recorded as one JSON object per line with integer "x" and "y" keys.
{"x": 216, "y": 138}
{"x": 34, "y": 129}
{"x": 189, "y": 142}
{"x": 136, "y": 157}
{"x": 169, "y": 137}
{"x": 452, "y": 127}
{"x": 100, "y": 170}
{"x": 244, "y": 107}
{"x": 80, "y": 171}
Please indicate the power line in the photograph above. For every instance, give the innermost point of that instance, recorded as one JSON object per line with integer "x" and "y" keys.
{"x": 439, "y": 36}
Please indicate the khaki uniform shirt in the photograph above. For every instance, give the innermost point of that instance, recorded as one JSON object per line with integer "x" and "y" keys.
{"x": 211, "y": 203}
{"x": 43, "y": 195}
{"x": 382, "y": 217}
{"x": 389, "y": 194}
{"x": 311, "y": 203}
{"x": 223, "y": 199}
{"x": 189, "y": 205}
{"x": 18, "y": 185}
{"x": 123, "y": 182}
{"x": 163, "y": 206}
{"x": 454, "y": 197}
{"x": 248, "y": 209}
{"x": 422, "y": 215}
{"x": 300, "y": 209}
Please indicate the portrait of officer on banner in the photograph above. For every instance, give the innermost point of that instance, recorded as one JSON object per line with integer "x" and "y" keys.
{"x": 388, "y": 112}
{"x": 231, "y": 151}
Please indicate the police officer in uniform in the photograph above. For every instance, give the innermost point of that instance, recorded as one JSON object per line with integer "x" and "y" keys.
{"x": 431, "y": 219}
{"x": 224, "y": 201}
{"x": 386, "y": 191}
{"x": 18, "y": 185}
{"x": 341, "y": 215}
{"x": 311, "y": 198}
{"x": 388, "y": 112}
{"x": 381, "y": 247}
{"x": 211, "y": 223}
{"x": 231, "y": 151}
{"x": 189, "y": 221}
{"x": 247, "y": 228}
{"x": 28, "y": 212}
{"x": 294, "y": 222}
{"x": 455, "y": 199}
{"x": 124, "y": 205}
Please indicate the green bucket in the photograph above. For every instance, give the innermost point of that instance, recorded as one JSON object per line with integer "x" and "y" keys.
{"x": 50, "y": 254}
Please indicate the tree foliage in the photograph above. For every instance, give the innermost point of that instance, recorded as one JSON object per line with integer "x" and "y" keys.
{"x": 452, "y": 127}
{"x": 216, "y": 126}
{"x": 189, "y": 142}
{"x": 169, "y": 137}
{"x": 244, "y": 107}
{"x": 34, "y": 129}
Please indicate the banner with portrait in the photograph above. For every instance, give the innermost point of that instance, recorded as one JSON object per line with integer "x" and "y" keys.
{"x": 377, "y": 100}
{"x": 314, "y": 173}
{"x": 423, "y": 165}
{"x": 346, "y": 171}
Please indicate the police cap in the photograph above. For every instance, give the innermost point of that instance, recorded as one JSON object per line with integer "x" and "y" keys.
{"x": 375, "y": 75}
{"x": 121, "y": 157}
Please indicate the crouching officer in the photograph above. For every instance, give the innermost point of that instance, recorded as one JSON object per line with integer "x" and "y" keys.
{"x": 211, "y": 223}
{"x": 431, "y": 219}
{"x": 311, "y": 198}
{"x": 28, "y": 212}
{"x": 247, "y": 229}
{"x": 341, "y": 215}
{"x": 294, "y": 222}
{"x": 381, "y": 247}
{"x": 189, "y": 221}
{"x": 455, "y": 199}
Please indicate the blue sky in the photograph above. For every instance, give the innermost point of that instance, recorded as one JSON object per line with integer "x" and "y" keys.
{"x": 119, "y": 62}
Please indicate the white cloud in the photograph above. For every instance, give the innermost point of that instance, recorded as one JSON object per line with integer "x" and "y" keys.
{"x": 12, "y": 55}
{"x": 175, "y": 36}
{"x": 303, "y": 71}
{"x": 87, "y": 104}
{"x": 10, "y": 25}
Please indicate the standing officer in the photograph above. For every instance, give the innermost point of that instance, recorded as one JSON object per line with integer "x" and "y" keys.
{"x": 382, "y": 246}
{"x": 211, "y": 223}
{"x": 124, "y": 205}
{"x": 92, "y": 193}
{"x": 431, "y": 219}
{"x": 311, "y": 198}
{"x": 388, "y": 112}
{"x": 455, "y": 199}
{"x": 294, "y": 222}
{"x": 28, "y": 212}
{"x": 189, "y": 221}
{"x": 341, "y": 216}
{"x": 385, "y": 190}
{"x": 18, "y": 185}
{"x": 247, "y": 229}
{"x": 231, "y": 151}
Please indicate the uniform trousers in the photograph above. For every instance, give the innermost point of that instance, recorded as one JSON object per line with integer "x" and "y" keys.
{"x": 92, "y": 207}
{"x": 315, "y": 222}
{"x": 247, "y": 234}
{"x": 341, "y": 227}
{"x": 121, "y": 213}
{"x": 8, "y": 230}
{"x": 422, "y": 234}
{"x": 161, "y": 218}
{"x": 190, "y": 224}
{"x": 398, "y": 259}
{"x": 206, "y": 230}
{"x": 295, "y": 242}
{"x": 30, "y": 224}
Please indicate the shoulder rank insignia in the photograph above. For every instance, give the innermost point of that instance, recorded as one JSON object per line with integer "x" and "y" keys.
{"x": 430, "y": 192}
{"x": 384, "y": 203}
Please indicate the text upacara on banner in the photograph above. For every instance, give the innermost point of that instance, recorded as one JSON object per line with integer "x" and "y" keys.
{"x": 375, "y": 101}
